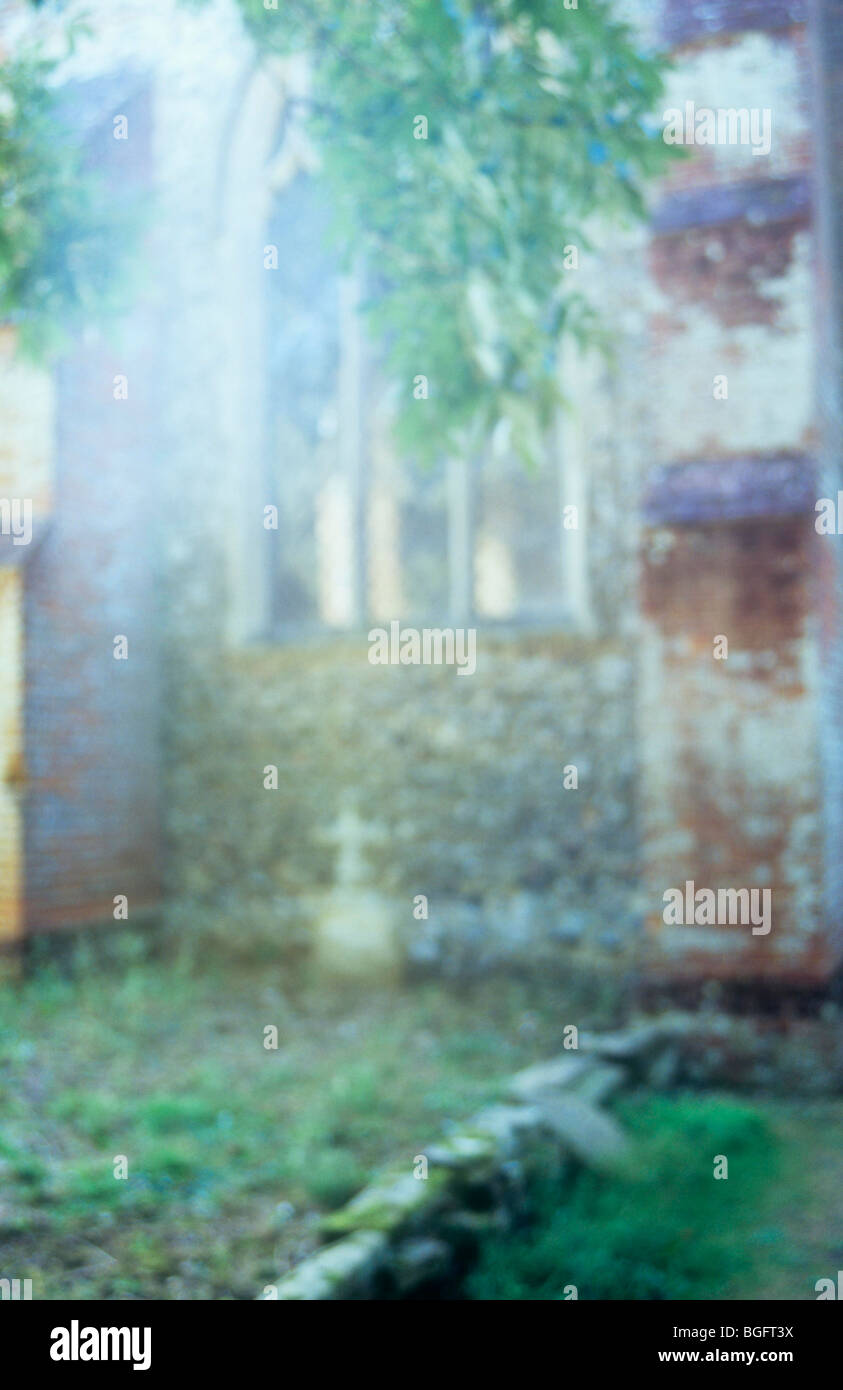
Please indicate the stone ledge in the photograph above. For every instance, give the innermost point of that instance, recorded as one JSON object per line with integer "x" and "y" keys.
{"x": 338, "y": 1271}
{"x": 389, "y": 1204}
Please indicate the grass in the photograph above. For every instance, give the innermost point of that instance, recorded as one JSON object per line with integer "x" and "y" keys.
{"x": 231, "y": 1148}
{"x": 666, "y": 1228}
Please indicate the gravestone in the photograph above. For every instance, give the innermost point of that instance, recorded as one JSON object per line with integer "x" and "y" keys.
{"x": 355, "y": 925}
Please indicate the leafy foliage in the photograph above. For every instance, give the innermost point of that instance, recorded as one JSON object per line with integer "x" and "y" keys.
{"x": 536, "y": 127}
{"x": 60, "y": 239}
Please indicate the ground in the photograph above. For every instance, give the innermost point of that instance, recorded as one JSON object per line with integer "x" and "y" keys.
{"x": 233, "y": 1149}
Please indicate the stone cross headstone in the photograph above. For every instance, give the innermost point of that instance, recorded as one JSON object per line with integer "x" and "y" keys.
{"x": 355, "y": 923}
{"x": 351, "y": 835}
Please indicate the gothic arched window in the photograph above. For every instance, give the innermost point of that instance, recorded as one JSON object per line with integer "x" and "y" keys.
{"x": 362, "y": 534}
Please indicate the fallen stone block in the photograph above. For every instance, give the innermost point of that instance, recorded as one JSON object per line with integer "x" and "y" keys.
{"x": 637, "y": 1042}
{"x": 506, "y": 1126}
{"x": 339, "y": 1271}
{"x": 592, "y": 1136}
{"x": 388, "y": 1204}
{"x": 555, "y": 1075}
{"x": 464, "y": 1152}
{"x": 600, "y": 1082}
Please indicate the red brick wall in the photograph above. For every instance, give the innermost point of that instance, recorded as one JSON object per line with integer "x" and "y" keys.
{"x": 91, "y": 722}
{"x": 731, "y": 768}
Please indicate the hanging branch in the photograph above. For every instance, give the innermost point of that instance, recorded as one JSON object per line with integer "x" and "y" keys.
{"x": 466, "y": 148}
{"x": 61, "y": 237}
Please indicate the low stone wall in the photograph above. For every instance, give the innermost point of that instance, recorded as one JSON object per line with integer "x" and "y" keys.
{"x": 414, "y": 1231}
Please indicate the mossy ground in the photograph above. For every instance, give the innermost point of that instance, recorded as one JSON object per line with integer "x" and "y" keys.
{"x": 232, "y": 1149}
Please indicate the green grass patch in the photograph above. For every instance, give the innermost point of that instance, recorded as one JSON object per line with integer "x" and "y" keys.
{"x": 663, "y": 1227}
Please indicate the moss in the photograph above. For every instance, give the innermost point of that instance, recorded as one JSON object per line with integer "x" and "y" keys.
{"x": 394, "y": 1200}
